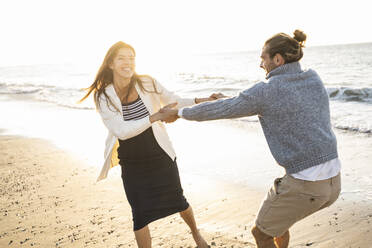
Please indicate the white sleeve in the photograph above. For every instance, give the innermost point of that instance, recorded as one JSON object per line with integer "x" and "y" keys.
{"x": 180, "y": 112}
{"x": 114, "y": 121}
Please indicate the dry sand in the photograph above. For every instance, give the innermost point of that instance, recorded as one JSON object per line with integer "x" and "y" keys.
{"x": 49, "y": 198}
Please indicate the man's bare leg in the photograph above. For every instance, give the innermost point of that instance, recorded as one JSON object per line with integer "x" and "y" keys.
{"x": 262, "y": 239}
{"x": 282, "y": 241}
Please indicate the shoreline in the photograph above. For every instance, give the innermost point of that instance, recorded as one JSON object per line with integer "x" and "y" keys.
{"x": 50, "y": 198}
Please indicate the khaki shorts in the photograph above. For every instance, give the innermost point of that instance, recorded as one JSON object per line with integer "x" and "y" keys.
{"x": 292, "y": 199}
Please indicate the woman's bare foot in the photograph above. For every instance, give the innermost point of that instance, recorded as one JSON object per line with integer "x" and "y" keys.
{"x": 199, "y": 240}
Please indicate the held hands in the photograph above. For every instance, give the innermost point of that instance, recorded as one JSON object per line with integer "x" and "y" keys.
{"x": 168, "y": 113}
{"x": 216, "y": 96}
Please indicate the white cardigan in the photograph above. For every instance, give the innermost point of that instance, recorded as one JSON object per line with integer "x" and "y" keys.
{"x": 120, "y": 129}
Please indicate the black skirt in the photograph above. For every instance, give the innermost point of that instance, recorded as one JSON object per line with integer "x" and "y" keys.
{"x": 151, "y": 179}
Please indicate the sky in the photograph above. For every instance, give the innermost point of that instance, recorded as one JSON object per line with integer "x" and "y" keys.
{"x": 49, "y": 31}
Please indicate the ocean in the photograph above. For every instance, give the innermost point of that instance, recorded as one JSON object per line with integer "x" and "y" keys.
{"x": 345, "y": 69}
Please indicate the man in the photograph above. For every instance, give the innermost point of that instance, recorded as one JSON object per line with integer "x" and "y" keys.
{"x": 293, "y": 109}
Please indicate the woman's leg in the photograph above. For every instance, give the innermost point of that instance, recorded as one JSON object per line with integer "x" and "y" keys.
{"x": 188, "y": 216}
{"x": 143, "y": 237}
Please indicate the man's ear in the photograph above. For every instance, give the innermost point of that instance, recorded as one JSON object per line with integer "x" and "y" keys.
{"x": 279, "y": 60}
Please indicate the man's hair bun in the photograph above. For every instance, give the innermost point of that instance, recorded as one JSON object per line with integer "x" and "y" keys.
{"x": 300, "y": 36}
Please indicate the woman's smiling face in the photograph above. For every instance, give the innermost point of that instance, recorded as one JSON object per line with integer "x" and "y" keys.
{"x": 123, "y": 64}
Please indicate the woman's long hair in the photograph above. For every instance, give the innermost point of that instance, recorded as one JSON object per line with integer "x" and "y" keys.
{"x": 105, "y": 77}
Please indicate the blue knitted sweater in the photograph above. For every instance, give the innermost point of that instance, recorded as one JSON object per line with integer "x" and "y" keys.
{"x": 293, "y": 109}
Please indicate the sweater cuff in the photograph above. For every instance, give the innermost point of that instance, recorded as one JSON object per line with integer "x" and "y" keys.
{"x": 180, "y": 111}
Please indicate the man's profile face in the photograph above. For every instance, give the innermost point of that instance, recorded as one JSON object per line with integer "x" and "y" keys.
{"x": 267, "y": 63}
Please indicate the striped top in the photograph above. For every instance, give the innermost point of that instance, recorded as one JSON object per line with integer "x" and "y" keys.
{"x": 135, "y": 110}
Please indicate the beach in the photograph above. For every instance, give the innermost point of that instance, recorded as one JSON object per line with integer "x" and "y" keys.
{"x": 52, "y": 152}
{"x": 50, "y": 197}
{"x": 52, "y": 143}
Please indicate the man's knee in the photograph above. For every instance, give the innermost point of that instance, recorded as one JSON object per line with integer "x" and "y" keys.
{"x": 262, "y": 240}
{"x": 259, "y": 235}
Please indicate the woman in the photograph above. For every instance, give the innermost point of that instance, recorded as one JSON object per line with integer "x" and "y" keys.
{"x": 129, "y": 105}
